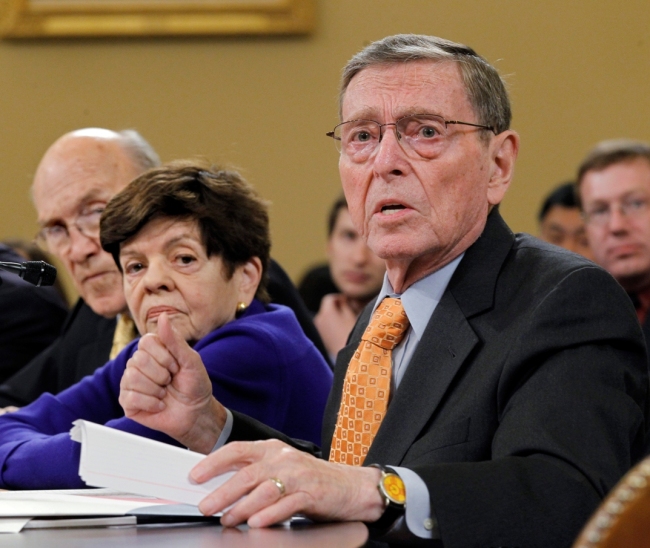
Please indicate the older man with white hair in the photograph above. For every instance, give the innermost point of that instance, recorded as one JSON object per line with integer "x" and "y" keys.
{"x": 495, "y": 390}
{"x": 74, "y": 181}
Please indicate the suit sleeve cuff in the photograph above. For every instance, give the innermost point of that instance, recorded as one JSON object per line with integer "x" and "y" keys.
{"x": 418, "y": 518}
{"x": 225, "y": 433}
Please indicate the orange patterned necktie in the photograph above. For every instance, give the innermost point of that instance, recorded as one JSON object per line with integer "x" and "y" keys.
{"x": 366, "y": 388}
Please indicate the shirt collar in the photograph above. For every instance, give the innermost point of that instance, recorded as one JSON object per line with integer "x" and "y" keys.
{"x": 421, "y": 298}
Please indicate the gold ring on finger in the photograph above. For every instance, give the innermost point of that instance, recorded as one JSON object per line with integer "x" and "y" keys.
{"x": 279, "y": 485}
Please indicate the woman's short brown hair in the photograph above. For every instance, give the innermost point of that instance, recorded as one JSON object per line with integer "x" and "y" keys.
{"x": 232, "y": 218}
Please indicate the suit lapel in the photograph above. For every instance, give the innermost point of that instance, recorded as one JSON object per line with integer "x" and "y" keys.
{"x": 447, "y": 342}
{"x": 474, "y": 282}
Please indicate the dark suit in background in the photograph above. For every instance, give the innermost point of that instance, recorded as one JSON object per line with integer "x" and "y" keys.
{"x": 645, "y": 326}
{"x": 83, "y": 346}
{"x": 30, "y": 317}
{"x": 315, "y": 284}
{"x": 525, "y": 401}
{"x": 282, "y": 291}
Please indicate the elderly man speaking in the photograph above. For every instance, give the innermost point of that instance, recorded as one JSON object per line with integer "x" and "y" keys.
{"x": 494, "y": 392}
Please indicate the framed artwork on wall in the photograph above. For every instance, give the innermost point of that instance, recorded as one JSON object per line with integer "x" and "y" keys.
{"x": 88, "y": 18}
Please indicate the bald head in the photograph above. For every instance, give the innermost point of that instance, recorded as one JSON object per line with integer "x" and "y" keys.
{"x": 76, "y": 178}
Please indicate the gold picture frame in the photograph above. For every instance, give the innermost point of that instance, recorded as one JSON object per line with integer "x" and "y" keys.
{"x": 88, "y": 18}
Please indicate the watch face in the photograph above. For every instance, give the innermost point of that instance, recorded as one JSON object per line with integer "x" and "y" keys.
{"x": 394, "y": 488}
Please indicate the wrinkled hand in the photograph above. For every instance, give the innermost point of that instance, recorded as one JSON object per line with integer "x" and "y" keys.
{"x": 334, "y": 321}
{"x": 321, "y": 490}
{"x": 165, "y": 387}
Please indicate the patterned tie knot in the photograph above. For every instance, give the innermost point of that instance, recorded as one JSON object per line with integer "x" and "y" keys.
{"x": 388, "y": 324}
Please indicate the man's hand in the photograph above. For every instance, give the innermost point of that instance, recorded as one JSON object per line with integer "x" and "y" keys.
{"x": 165, "y": 387}
{"x": 319, "y": 489}
{"x": 334, "y": 321}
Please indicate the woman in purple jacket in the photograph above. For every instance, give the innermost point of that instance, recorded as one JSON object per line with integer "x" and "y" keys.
{"x": 193, "y": 245}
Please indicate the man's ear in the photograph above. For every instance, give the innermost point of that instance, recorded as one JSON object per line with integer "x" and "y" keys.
{"x": 250, "y": 275}
{"x": 503, "y": 149}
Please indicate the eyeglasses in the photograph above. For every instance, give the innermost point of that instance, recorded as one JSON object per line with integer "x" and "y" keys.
{"x": 423, "y": 134}
{"x": 629, "y": 207}
{"x": 56, "y": 238}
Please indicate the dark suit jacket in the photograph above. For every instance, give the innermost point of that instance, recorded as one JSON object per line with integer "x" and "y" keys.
{"x": 282, "y": 291}
{"x": 315, "y": 284}
{"x": 30, "y": 317}
{"x": 646, "y": 333}
{"x": 525, "y": 401}
{"x": 83, "y": 346}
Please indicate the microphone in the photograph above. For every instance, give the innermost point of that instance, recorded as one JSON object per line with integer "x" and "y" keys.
{"x": 35, "y": 272}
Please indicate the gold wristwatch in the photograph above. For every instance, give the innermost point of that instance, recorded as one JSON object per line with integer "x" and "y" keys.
{"x": 392, "y": 490}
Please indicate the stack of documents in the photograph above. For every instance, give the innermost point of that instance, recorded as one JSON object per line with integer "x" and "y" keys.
{"x": 126, "y": 462}
{"x": 88, "y": 508}
{"x": 146, "y": 481}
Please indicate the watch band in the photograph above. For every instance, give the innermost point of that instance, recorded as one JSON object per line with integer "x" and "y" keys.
{"x": 391, "y": 488}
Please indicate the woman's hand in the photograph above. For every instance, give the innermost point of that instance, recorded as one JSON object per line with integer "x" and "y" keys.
{"x": 165, "y": 387}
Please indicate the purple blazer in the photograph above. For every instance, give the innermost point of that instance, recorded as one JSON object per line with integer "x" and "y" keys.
{"x": 260, "y": 364}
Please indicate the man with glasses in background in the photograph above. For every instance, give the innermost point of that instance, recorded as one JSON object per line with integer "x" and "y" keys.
{"x": 495, "y": 390}
{"x": 614, "y": 190}
{"x": 76, "y": 178}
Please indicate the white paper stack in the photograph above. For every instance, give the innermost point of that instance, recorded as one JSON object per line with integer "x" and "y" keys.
{"x": 74, "y": 508}
{"x": 123, "y": 461}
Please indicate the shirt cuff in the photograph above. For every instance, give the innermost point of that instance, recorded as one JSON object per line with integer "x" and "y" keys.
{"x": 225, "y": 433}
{"x": 419, "y": 518}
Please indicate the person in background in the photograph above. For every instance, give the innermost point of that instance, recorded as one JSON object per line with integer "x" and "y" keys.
{"x": 30, "y": 317}
{"x": 496, "y": 389}
{"x": 192, "y": 242}
{"x": 561, "y": 222}
{"x": 614, "y": 191}
{"x": 356, "y": 274}
{"x": 74, "y": 181}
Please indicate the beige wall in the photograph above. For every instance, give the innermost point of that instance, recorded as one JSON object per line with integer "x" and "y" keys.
{"x": 578, "y": 71}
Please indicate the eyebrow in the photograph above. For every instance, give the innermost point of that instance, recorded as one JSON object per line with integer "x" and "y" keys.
{"x": 180, "y": 240}
{"x": 167, "y": 245}
{"x": 635, "y": 193}
{"x": 368, "y": 113}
